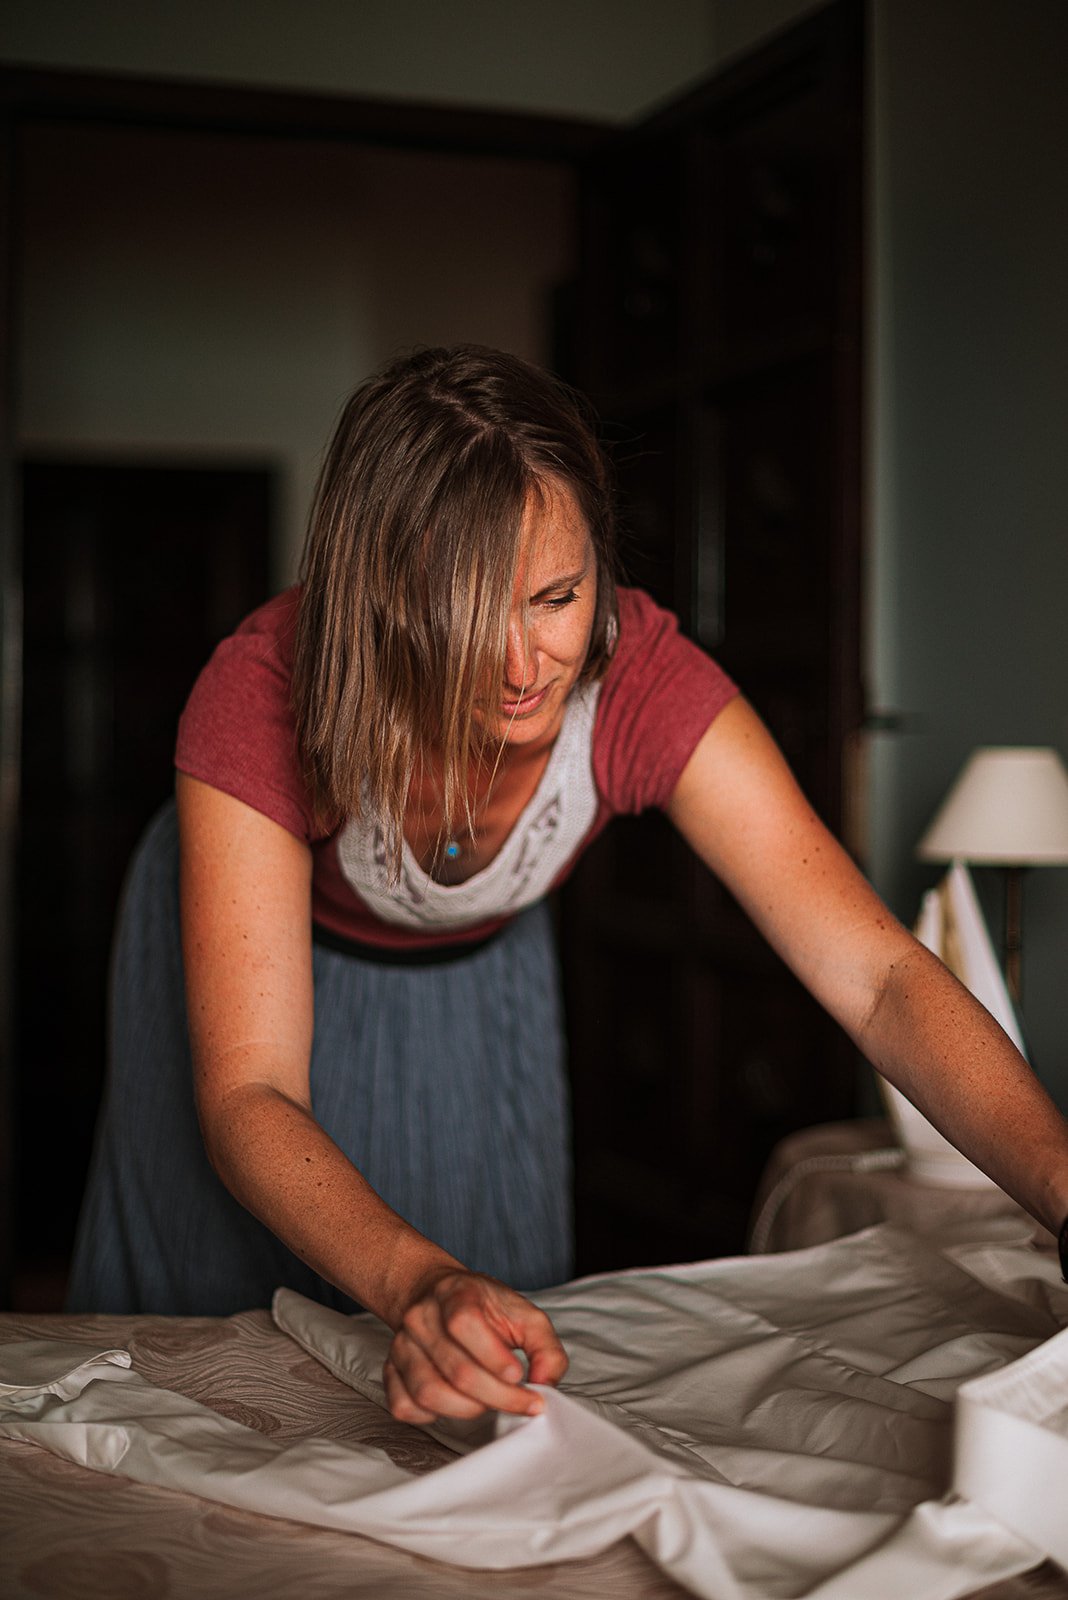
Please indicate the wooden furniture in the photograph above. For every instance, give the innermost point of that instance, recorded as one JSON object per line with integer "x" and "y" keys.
{"x": 718, "y": 332}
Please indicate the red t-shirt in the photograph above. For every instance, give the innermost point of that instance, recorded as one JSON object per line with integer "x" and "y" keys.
{"x": 657, "y": 698}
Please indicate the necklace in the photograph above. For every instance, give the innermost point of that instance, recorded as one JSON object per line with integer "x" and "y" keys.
{"x": 456, "y": 859}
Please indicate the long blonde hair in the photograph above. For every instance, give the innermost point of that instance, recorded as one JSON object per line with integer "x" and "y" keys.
{"x": 409, "y": 566}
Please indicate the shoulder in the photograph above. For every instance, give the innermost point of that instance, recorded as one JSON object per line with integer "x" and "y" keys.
{"x": 237, "y": 731}
{"x": 260, "y": 648}
{"x": 658, "y": 697}
{"x": 267, "y": 634}
{"x": 643, "y": 625}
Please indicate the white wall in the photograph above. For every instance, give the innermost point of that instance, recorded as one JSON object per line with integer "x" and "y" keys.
{"x": 969, "y": 318}
{"x": 218, "y": 298}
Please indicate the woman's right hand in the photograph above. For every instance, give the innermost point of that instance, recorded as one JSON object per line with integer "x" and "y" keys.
{"x": 453, "y": 1354}
{"x": 246, "y": 915}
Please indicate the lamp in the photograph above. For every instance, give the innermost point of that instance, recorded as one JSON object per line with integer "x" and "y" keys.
{"x": 1008, "y": 808}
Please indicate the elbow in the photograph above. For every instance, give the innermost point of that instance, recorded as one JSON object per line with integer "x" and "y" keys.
{"x": 236, "y": 1119}
{"x": 227, "y": 1118}
{"x": 218, "y": 1132}
{"x": 887, "y": 997}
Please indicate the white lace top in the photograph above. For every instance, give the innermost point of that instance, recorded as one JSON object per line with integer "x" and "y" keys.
{"x": 549, "y": 831}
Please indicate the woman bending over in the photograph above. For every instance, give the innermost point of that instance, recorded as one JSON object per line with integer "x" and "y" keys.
{"x": 337, "y": 1053}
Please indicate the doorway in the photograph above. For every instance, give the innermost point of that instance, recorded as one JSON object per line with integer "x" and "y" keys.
{"x": 131, "y": 574}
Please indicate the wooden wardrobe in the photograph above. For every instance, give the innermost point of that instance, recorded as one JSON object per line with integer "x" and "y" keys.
{"x": 717, "y": 326}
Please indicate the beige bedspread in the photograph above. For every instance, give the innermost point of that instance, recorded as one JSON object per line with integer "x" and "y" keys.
{"x": 70, "y": 1534}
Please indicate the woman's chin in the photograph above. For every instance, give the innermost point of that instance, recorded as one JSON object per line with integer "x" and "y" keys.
{"x": 523, "y": 728}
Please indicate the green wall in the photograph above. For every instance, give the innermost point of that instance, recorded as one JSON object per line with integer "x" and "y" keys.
{"x": 968, "y": 587}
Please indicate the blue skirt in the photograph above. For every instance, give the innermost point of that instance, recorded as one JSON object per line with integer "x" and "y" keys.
{"x": 443, "y": 1084}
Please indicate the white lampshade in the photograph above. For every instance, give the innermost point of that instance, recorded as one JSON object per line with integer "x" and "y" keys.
{"x": 1009, "y": 807}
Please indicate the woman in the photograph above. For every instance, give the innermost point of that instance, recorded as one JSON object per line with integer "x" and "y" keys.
{"x": 380, "y": 776}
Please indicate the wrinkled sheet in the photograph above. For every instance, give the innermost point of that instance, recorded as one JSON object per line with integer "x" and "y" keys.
{"x": 68, "y": 1533}
{"x": 762, "y": 1427}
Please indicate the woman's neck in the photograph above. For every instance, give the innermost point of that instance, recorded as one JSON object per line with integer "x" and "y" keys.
{"x": 500, "y": 785}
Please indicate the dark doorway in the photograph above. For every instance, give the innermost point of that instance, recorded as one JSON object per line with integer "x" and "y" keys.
{"x": 132, "y": 574}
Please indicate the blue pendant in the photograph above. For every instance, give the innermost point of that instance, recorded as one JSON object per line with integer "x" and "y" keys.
{"x": 452, "y": 850}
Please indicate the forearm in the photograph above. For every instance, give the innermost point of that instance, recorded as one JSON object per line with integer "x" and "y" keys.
{"x": 280, "y": 1164}
{"x": 929, "y": 1036}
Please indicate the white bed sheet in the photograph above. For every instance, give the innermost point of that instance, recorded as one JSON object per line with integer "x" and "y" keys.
{"x": 776, "y": 1426}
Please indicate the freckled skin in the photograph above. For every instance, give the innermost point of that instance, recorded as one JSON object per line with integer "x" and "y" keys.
{"x": 740, "y": 808}
{"x": 246, "y": 896}
{"x": 245, "y": 909}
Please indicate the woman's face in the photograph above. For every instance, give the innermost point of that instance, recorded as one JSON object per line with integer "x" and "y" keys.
{"x": 550, "y": 622}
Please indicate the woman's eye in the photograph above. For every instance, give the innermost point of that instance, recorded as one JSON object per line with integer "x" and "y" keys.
{"x": 559, "y": 601}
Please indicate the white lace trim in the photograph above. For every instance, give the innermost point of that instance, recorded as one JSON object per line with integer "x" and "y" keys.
{"x": 550, "y": 829}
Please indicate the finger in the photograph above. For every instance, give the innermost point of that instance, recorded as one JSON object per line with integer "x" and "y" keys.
{"x": 468, "y": 1332}
{"x": 473, "y": 1327}
{"x": 446, "y": 1362}
{"x": 418, "y": 1386}
{"x": 401, "y": 1404}
{"x": 532, "y": 1332}
{"x": 469, "y": 1353}
{"x": 468, "y": 1376}
{"x": 467, "y": 1324}
{"x": 547, "y": 1356}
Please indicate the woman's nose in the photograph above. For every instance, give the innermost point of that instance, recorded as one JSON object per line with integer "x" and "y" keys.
{"x": 521, "y": 657}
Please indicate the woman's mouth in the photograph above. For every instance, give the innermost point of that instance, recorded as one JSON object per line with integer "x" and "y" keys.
{"x": 525, "y": 706}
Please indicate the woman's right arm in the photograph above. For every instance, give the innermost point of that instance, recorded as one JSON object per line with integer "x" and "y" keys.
{"x": 246, "y": 940}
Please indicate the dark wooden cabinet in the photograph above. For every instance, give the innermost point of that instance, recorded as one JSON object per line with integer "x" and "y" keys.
{"x": 718, "y": 331}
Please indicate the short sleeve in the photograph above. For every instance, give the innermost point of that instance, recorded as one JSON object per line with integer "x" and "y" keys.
{"x": 659, "y": 696}
{"x": 237, "y": 730}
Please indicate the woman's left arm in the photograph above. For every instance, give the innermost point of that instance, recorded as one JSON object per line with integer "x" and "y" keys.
{"x": 740, "y": 808}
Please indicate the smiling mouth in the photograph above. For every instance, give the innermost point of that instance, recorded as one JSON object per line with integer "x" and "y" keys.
{"x": 524, "y": 707}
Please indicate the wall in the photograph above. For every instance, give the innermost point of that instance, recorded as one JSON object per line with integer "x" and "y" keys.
{"x": 607, "y": 60}
{"x": 969, "y": 469}
{"x": 204, "y": 298}
{"x": 740, "y": 25}
{"x": 603, "y": 59}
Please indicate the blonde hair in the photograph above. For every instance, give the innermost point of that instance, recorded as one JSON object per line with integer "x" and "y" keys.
{"x": 409, "y": 567}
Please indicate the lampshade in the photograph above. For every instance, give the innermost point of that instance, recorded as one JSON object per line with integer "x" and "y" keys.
{"x": 1009, "y": 807}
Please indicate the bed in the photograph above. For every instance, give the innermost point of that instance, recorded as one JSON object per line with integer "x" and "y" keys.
{"x": 76, "y": 1534}
{"x": 72, "y": 1534}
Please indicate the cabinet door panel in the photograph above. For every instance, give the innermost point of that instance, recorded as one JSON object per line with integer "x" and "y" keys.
{"x": 779, "y": 186}
{"x": 737, "y": 213}
{"x": 778, "y": 505}
{"x": 635, "y": 243}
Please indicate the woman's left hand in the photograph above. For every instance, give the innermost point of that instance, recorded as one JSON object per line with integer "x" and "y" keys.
{"x": 454, "y": 1352}
{"x": 739, "y": 807}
